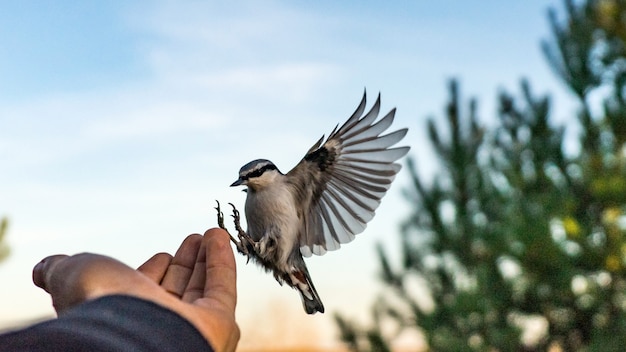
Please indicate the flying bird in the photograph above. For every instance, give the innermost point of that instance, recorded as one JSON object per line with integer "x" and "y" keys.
{"x": 323, "y": 202}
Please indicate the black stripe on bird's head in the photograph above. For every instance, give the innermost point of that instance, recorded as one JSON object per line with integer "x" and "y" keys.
{"x": 253, "y": 170}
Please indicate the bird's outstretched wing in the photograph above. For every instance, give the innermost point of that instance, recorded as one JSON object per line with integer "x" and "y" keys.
{"x": 340, "y": 183}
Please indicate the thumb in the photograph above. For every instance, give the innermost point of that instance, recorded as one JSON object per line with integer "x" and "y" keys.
{"x": 51, "y": 274}
{"x": 43, "y": 271}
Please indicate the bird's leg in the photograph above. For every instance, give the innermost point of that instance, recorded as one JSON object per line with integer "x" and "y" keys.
{"x": 244, "y": 238}
{"x": 220, "y": 222}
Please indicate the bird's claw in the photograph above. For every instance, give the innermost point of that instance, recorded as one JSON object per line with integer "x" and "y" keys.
{"x": 243, "y": 236}
{"x": 245, "y": 240}
{"x": 220, "y": 223}
{"x": 245, "y": 244}
{"x": 220, "y": 217}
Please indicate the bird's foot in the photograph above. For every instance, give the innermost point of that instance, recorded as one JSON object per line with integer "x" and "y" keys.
{"x": 220, "y": 222}
{"x": 244, "y": 239}
{"x": 245, "y": 244}
{"x": 220, "y": 218}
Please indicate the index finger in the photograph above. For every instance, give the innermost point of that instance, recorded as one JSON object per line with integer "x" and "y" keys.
{"x": 221, "y": 271}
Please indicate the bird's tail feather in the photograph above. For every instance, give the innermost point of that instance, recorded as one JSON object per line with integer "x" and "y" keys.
{"x": 310, "y": 299}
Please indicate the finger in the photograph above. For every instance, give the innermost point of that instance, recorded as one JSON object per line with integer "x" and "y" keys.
{"x": 195, "y": 286}
{"x": 44, "y": 270}
{"x": 221, "y": 271}
{"x": 179, "y": 271}
{"x": 156, "y": 267}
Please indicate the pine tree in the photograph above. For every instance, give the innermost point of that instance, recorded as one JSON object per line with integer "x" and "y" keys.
{"x": 513, "y": 229}
{"x": 4, "y": 248}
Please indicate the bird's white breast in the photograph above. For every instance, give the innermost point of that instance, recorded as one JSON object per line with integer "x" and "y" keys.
{"x": 271, "y": 211}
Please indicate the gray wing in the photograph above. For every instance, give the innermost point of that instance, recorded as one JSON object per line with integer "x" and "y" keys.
{"x": 340, "y": 183}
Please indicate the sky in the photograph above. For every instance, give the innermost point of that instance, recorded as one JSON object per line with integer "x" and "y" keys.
{"x": 121, "y": 123}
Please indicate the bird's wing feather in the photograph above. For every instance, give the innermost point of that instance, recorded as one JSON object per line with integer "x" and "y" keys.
{"x": 340, "y": 182}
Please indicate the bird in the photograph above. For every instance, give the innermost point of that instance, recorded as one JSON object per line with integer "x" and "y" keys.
{"x": 323, "y": 202}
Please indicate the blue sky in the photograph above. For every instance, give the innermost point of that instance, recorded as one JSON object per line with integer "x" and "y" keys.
{"x": 121, "y": 122}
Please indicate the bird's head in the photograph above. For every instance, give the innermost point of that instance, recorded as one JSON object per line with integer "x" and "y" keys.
{"x": 257, "y": 174}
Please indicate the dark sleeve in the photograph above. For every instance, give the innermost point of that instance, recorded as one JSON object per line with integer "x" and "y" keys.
{"x": 111, "y": 323}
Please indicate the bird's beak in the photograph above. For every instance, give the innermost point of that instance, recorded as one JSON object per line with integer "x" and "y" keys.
{"x": 239, "y": 182}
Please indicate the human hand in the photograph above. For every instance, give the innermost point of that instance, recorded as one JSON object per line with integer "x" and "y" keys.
{"x": 198, "y": 283}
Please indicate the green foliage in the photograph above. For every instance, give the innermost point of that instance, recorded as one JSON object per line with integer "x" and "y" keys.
{"x": 513, "y": 228}
{"x": 4, "y": 248}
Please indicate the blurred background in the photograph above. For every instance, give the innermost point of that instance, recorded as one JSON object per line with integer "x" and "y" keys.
{"x": 121, "y": 123}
